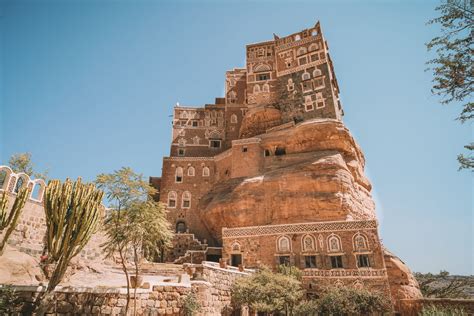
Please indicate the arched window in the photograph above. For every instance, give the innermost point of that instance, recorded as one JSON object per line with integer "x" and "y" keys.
{"x": 266, "y": 88}
{"x": 262, "y": 67}
{"x": 290, "y": 86}
{"x": 297, "y": 37}
{"x": 236, "y": 247}
{"x": 360, "y": 242}
{"x": 180, "y": 227}
{"x": 233, "y": 119}
{"x": 172, "y": 199}
{"x": 205, "y": 172}
{"x": 317, "y": 73}
{"x": 19, "y": 184}
{"x": 334, "y": 244}
{"x": 313, "y": 47}
{"x": 301, "y": 51}
{"x": 186, "y": 200}
{"x": 232, "y": 97}
{"x": 309, "y": 243}
{"x": 191, "y": 171}
{"x": 305, "y": 76}
{"x": 179, "y": 175}
{"x": 256, "y": 88}
{"x": 284, "y": 244}
{"x": 38, "y": 190}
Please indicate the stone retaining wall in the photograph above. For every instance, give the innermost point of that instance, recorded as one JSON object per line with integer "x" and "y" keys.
{"x": 211, "y": 285}
{"x": 161, "y": 300}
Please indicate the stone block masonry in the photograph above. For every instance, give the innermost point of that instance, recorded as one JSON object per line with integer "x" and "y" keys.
{"x": 213, "y": 290}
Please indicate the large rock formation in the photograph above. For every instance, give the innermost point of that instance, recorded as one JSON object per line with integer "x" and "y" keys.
{"x": 320, "y": 178}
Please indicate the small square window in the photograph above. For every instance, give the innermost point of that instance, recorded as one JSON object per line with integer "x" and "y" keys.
{"x": 215, "y": 144}
{"x": 306, "y": 86}
{"x": 336, "y": 262}
{"x": 363, "y": 261}
{"x": 310, "y": 261}
{"x": 314, "y": 57}
{"x": 180, "y": 152}
{"x": 244, "y": 149}
{"x": 262, "y": 77}
{"x": 195, "y": 123}
{"x": 303, "y": 61}
{"x": 186, "y": 204}
{"x": 172, "y": 203}
{"x": 179, "y": 178}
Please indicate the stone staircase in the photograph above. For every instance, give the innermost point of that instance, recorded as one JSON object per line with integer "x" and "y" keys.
{"x": 187, "y": 248}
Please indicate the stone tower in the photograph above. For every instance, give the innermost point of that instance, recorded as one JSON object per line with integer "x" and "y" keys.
{"x": 270, "y": 175}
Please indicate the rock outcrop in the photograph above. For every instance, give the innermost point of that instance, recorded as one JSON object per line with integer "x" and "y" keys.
{"x": 403, "y": 284}
{"x": 319, "y": 178}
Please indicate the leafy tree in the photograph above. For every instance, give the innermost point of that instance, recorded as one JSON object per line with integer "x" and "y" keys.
{"x": 136, "y": 225}
{"x": 442, "y": 285}
{"x": 72, "y": 215}
{"x": 22, "y": 163}
{"x": 291, "y": 271}
{"x": 453, "y": 65}
{"x": 345, "y": 300}
{"x": 269, "y": 292}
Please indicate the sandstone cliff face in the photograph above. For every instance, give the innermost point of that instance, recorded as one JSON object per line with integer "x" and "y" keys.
{"x": 403, "y": 284}
{"x": 320, "y": 178}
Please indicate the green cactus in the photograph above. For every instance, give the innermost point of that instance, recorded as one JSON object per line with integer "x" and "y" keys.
{"x": 10, "y": 220}
{"x": 72, "y": 214}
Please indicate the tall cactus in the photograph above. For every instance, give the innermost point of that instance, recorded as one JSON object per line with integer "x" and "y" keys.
{"x": 9, "y": 220}
{"x": 72, "y": 215}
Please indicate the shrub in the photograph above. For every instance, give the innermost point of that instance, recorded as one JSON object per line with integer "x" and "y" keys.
{"x": 432, "y": 310}
{"x": 344, "y": 300}
{"x": 9, "y": 300}
{"x": 191, "y": 304}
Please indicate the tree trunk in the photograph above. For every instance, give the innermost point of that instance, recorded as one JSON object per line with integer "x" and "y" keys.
{"x": 124, "y": 268}
{"x": 135, "y": 260}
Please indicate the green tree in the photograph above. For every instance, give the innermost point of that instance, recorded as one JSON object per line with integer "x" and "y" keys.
{"x": 136, "y": 224}
{"x": 22, "y": 163}
{"x": 269, "y": 292}
{"x": 443, "y": 285}
{"x": 73, "y": 211}
{"x": 345, "y": 300}
{"x": 453, "y": 65}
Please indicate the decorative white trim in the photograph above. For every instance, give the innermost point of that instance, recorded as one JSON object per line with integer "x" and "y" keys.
{"x": 266, "y": 230}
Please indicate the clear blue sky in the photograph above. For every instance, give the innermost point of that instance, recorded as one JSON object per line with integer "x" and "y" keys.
{"x": 88, "y": 87}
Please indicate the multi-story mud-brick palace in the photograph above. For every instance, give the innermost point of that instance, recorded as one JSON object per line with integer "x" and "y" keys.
{"x": 270, "y": 175}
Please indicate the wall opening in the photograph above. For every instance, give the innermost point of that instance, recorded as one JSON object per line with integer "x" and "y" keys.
{"x": 235, "y": 260}
{"x": 280, "y": 151}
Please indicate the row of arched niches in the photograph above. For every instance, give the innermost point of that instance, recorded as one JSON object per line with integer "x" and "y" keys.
{"x": 12, "y": 182}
